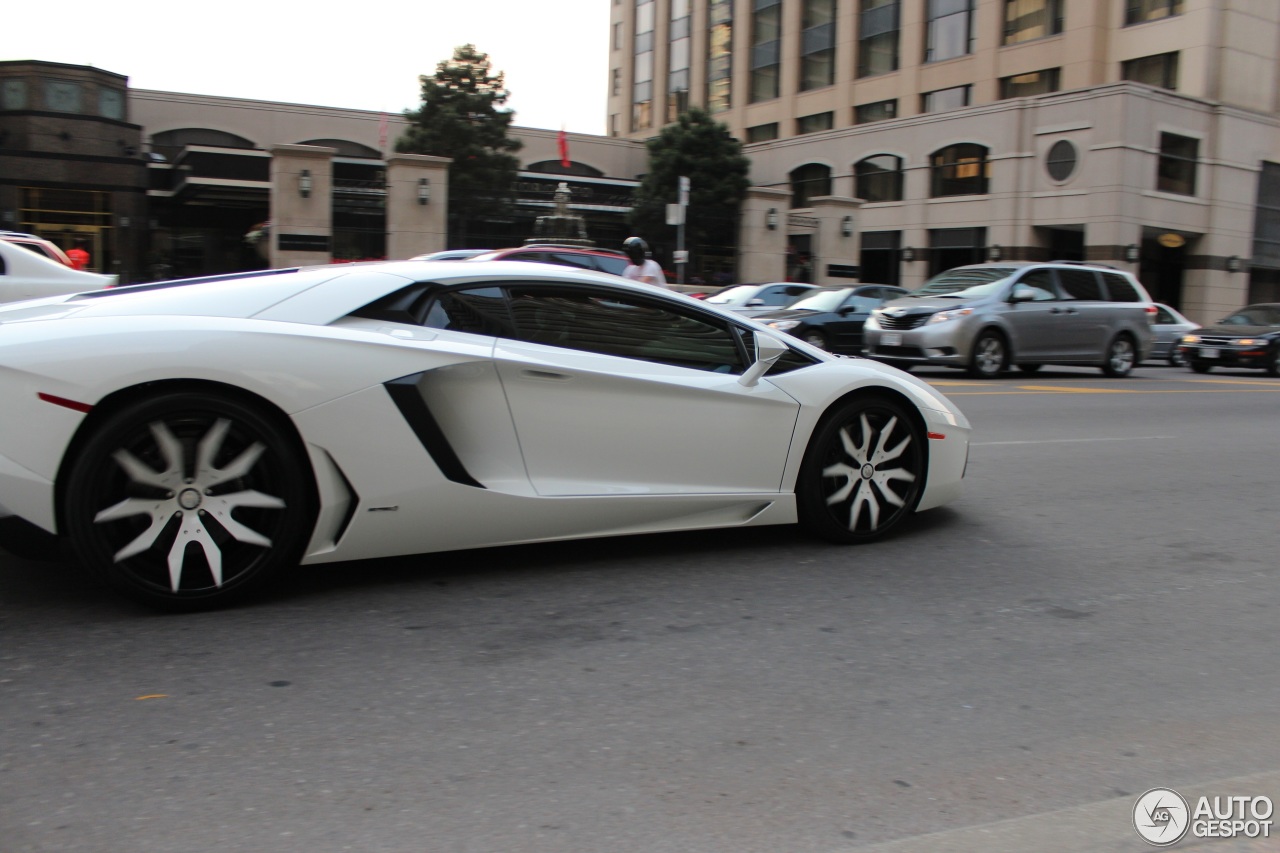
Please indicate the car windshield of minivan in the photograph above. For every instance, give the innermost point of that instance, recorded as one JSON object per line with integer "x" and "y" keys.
{"x": 963, "y": 283}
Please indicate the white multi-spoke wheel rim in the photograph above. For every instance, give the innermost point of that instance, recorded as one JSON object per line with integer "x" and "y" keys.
{"x": 1122, "y": 355}
{"x": 189, "y": 504}
{"x": 871, "y": 470}
{"x": 990, "y": 355}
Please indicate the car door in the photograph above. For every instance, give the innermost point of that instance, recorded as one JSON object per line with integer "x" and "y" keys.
{"x": 1034, "y": 323}
{"x": 844, "y": 330}
{"x": 618, "y": 393}
{"x": 1085, "y": 316}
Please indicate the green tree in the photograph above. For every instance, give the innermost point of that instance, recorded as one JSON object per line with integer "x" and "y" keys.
{"x": 701, "y": 149}
{"x": 459, "y": 118}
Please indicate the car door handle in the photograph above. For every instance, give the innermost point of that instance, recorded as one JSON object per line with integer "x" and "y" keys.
{"x": 1063, "y": 311}
{"x": 544, "y": 374}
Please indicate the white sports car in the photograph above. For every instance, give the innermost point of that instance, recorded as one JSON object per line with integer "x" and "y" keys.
{"x": 27, "y": 275}
{"x": 195, "y": 439}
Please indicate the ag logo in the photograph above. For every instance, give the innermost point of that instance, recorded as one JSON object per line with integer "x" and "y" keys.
{"x": 1161, "y": 817}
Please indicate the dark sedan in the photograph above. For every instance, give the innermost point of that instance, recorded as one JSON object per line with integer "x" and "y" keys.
{"x": 1248, "y": 338}
{"x": 832, "y": 318}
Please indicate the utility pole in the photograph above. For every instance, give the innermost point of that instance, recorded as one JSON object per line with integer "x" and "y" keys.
{"x": 676, "y": 217}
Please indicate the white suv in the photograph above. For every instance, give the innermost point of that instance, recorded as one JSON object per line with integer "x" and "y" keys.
{"x": 985, "y": 318}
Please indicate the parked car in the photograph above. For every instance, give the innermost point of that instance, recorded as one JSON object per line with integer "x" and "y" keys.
{"x": 1248, "y": 338}
{"x": 832, "y": 318}
{"x": 1167, "y": 332}
{"x": 450, "y": 255}
{"x": 27, "y": 275}
{"x": 752, "y": 299}
{"x": 37, "y": 244}
{"x": 986, "y": 317}
{"x": 603, "y": 260}
{"x": 412, "y": 408}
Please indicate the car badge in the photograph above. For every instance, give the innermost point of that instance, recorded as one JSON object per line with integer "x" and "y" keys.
{"x": 895, "y": 312}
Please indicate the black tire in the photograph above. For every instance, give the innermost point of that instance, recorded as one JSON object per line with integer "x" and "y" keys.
{"x": 1030, "y": 368}
{"x": 863, "y": 472}
{"x": 1199, "y": 366}
{"x": 1122, "y": 355}
{"x": 990, "y": 355}
{"x": 1176, "y": 358}
{"x": 815, "y": 338}
{"x": 1273, "y": 365}
{"x": 220, "y": 473}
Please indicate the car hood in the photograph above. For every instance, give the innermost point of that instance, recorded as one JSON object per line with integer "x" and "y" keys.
{"x": 924, "y": 305}
{"x": 1238, "y": 331}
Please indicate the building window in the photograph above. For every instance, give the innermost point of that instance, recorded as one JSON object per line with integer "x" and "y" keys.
{"x": 1159, "y": 70}
{"x": 1034, "y": 83}
{"x": 877, "y": 37}
{"x": 879, "y": 111}
{"x": 1061, "y": 160}
{"x": 762, "y": 132}
{"x": 958, "y": 170}
{"x": 878, "y": 178}
{"x": 1176, "y": 172}
{"x": 955, "y": 247}
{"x": 720, "y": 55}
{"x": 881, "y": 253}
{"x": 815, "y": 123}
{"x": 617, "y": 81}
{"x": 1141, "y": 11}
{"x": 766, "y": 49}
{"x": 949, "y": 30}
{"x": 1266, "y": 222}
{"x": 817, "y": 44}
{"x": 62, "y": 96}
{"x": 617, "y": 36}
{"x": 945, "y": 99}
{"x": 642, "y": 87}
{"x": 613, "y": 125}
{"x": 1025, "y": 20}
{"x": 808, "y": 182}
{"x": 678, "y": 60}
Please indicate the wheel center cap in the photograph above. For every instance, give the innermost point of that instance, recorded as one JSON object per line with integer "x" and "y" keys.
{"x": 868, "y": 470}
{"x": 189, "y": 499}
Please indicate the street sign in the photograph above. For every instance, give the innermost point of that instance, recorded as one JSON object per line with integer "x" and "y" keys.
{"x": 675, "y": 214}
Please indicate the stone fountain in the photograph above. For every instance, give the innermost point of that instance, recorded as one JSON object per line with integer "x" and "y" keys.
{"x": 563, "y": 227}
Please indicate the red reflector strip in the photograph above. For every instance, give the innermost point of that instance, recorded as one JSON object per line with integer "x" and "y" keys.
{"x": 65, "y": 403}
{"x": 937, "y": 436}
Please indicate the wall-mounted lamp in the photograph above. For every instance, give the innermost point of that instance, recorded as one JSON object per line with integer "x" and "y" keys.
{"x": 304, "y": 183}
{"x": 908, "y": 254}
{"x": 1233, "y": 263}
{"x": 995, "y": 253}
{"x": 846, "y": 226}
{"x": 1131, "y": 253}
{"x": 771, "y": 219}
{"x": 124, "y": 222}
{"x": 7, "y": 216}
{"x": 424, "y": 190}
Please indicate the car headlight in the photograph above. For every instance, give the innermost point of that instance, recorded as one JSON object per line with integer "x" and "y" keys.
{"x": 1191, "y": 339}
{"x": 1248, "y": 342}
{"x": 944, "y": 316}
{"x": 783, "y": 325}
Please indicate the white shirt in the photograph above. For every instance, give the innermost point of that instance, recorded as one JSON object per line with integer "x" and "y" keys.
{"x": 649, "y": 272}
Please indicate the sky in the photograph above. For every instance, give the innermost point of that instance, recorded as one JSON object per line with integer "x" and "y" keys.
{"x": 554, "y": 53}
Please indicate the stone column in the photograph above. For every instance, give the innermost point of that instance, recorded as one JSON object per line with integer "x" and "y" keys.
{"x": 762, "y": 250}
{"x": 417, "y": 205}
{"x": 835, "y": 255}
{"x": 301, "y": 205}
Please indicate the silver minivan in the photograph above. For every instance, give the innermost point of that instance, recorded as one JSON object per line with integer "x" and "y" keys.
{"x": 985, "y": 318}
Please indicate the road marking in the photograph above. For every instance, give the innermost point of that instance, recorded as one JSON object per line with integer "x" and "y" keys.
{"x": 1074, "y": 440}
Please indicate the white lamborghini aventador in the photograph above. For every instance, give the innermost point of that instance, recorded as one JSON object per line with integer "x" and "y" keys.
{"x": 195, "y": 439}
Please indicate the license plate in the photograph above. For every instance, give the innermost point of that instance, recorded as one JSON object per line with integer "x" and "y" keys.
{"x": 891, "y": 339}
{"x": 1208, "y": 353}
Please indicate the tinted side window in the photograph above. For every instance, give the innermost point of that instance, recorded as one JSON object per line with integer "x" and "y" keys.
{"x": 1120, "y": 289}
{"x": 625, "y": 326}
{"x": 582, "y": 262}
{"x": 611, "y": 264}
{"x": 480, "y": 311}
{"x": 537, "y": 257}
{"x": 1040, "y": 282}
{"x": 779, "y": 294}
{"x": 1163, "y": 316}
{"x": 861, "y": 303}
{"x": 1080, "y": 284}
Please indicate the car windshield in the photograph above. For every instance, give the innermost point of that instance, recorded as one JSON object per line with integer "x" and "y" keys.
{"x": 1254, "y": 315}
{"x": 487, "y": 256}
{"x": 963, "y": 283}
{"x": 826, "y": 300}
{"x": 733, "y": 294}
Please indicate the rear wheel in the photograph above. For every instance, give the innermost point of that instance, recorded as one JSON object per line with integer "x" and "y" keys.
{"x": 189, "y": 500}
{"x": 1121, "y": 356}
{"x": 990, "y": 354}
{"x": 863, "y": 471}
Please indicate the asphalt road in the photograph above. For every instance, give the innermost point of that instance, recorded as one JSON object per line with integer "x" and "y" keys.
{"x": 1094, "y": 618}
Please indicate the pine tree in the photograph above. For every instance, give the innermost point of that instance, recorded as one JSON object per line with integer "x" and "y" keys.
{"x": 700, "y": 148}
{"x": 459, "y": 118}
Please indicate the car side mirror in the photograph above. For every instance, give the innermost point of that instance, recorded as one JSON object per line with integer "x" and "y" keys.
{"x": 1022, "y": 294}
{"x": 752, "y": 303}
{"x": 768, "y": 350}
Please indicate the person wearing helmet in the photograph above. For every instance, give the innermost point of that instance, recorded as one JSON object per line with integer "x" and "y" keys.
{"x": 642, "y": 267}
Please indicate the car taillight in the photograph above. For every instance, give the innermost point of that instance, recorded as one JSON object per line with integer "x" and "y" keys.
{"x": 1151, "y": 314}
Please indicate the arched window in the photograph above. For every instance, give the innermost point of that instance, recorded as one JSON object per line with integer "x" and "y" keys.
{"x": 346, "y": 148}
{"x": 879, "y": 178}
{"x": 808, "y": 182}
{"x": 959, "y": 170}
{"x": 171, "y": 142}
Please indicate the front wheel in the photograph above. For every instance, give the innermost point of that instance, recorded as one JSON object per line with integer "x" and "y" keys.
{"x": 1273, "y": 363}
{"x": 863, "y": 472}
{"x": 989, "y": 356}
{"x": 1199, "y": 366}
{"x": 1121, "y": 356}
{"x": 1176, "y": 358}
{"x": 189, "y": 500}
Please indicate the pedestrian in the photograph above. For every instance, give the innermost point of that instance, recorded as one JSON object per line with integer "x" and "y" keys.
{"x": 79, "y": 256}
{"x": 642, "y": 267}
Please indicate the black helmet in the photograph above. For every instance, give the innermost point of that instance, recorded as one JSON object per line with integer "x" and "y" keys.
{"x": 637, "y": 250}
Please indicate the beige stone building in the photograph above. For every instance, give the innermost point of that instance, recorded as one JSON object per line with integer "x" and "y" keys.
{"x": 891, "y": 139}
